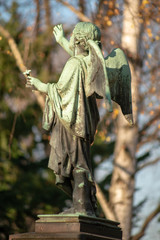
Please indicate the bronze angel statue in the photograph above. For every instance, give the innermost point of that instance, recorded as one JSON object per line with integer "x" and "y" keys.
{"x": 71, "y": 111}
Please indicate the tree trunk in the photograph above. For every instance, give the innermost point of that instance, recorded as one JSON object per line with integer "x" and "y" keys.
{"x": 38, "y": 15}
{"x": 82, "y": 6}
{"x": 48, "y": 17}
{"x": 122, "y": 184}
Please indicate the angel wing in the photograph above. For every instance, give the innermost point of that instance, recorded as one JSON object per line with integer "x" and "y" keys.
{"x": 119, "y": 77}
{"x": 110, "y": 78}
{"x": 97, "y": 79}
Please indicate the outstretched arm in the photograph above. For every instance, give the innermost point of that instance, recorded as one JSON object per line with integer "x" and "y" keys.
{"x": 36, "y": 84}
{"x": 59, "y": 36}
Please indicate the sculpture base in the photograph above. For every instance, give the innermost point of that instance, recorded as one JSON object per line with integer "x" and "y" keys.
{"x": 72, "y": 227}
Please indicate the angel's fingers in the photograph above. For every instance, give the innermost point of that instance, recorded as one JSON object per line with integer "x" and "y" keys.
{"x": 28, "y": 85}
{"x": 59, "y": 26}
{"x": 29, "y": 80}
{"x": 55, "y": 34}
{"x": 55, "y": 31}
{"x": 55, "y": 28}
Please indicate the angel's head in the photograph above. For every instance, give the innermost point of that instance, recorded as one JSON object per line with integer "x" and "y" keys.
{"x": 83, "y": 32}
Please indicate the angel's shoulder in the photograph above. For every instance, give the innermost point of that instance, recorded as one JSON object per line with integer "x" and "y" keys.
{"x": 74, "y": 60}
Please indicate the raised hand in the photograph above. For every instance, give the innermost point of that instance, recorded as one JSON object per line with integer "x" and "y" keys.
{"x": 27, "y": 72}
{"x": 36, "y": 84}
{"x": 32, "y": 83}
{"x": 58, "y": 32}
{"x": 27, "y": 75}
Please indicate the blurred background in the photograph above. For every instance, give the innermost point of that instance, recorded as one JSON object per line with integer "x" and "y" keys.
{"x": 126, "y": 159}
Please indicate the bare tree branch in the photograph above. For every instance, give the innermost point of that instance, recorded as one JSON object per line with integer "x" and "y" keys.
{"x": 19, "y": 60}
{"x": 82, "y": 5}
{"x": 148, "y": 139}
{"x": 48, "y": 17}
{"x": 146, "y": 223}
{"x": 104, "y": 204}
{"x": 12, "y": 133}
{"x": 148, "y": 124}
{"x": 148, "y": 164}
{"x": 79, "y": 14}
{"x": 38, "y": 13}
{"x": 99, "y": 7}
{"x": 14, "y": 49}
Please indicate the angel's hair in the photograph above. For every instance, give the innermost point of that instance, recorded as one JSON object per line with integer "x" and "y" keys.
{"x": 85, "y": 31}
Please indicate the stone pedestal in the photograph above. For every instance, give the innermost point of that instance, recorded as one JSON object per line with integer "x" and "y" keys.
{"x": 73, "y": 227}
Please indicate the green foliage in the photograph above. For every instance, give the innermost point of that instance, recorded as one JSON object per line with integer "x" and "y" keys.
{"x": 26, "y": 190}
{"x": 102, "y": 148}
{"x": 26, "y": 184}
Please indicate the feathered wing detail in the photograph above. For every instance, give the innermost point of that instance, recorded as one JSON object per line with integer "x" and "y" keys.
{"x": 110, "y": 78}
{"x": 119, "y": 77}
{"x": 97, "y": 79}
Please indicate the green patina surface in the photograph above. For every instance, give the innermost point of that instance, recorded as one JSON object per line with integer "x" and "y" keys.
{"x": 71, "y": 108}
{"x": 81, "y": 185}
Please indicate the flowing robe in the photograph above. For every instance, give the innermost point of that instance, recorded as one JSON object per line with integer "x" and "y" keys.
{"x": 74, "y": 120}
